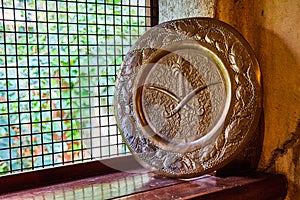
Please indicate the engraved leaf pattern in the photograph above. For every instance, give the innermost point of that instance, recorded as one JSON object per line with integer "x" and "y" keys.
{"x": 207, "y": 153}
{"x": 236, "y": 54}
{"x": 217, "y": 38}
{"x": 220, "y": 142}
{"x": 188, "y": 28}
{"x": 237, "y": 58}
{"x": 132, "y": 61}
{"x": 147, "y": 52}
{"x": 238, "y": 127}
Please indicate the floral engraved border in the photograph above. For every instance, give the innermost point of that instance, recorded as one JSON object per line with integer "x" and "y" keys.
{"x": 245, "y": 101}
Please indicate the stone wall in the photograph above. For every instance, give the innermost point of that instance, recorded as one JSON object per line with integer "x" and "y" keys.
{"x": 170, "y": 9}
{"x": 273, "y": 30}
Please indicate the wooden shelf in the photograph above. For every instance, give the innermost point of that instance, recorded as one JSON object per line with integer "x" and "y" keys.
{"x": 141, "y": 184}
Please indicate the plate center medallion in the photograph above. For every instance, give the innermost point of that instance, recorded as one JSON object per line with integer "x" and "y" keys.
{"x": 183, "y": 96}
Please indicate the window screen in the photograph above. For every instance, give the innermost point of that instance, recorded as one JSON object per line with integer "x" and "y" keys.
{"x": 58, "y": 66}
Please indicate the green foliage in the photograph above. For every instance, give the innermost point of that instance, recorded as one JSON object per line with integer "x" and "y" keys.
{"x": 46, "y": 79}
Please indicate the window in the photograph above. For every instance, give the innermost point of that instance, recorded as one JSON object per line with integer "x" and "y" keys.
{"x": 58, "y": 65}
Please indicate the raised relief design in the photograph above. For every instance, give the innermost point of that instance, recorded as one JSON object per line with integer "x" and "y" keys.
{"x": 188, "y": 96}
{"x": 178, "y": 112}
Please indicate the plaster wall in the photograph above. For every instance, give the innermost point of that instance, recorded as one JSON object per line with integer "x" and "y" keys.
{"x": 273, "y": 30}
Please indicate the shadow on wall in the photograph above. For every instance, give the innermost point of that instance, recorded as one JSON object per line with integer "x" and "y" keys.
{"x": 281, "y": 81}
{"x": 281, "y": 77}
{"x": 270, "y": 30}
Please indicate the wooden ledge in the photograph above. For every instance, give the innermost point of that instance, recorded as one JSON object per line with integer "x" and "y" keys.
{"x": 141, "y": 184}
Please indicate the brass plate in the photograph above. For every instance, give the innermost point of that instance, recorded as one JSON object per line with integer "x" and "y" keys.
{"x": 188, "y": 97}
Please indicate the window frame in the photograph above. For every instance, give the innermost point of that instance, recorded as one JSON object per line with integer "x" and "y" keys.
{"x": 60, "y": 174}
{"x": 72, "y": 171}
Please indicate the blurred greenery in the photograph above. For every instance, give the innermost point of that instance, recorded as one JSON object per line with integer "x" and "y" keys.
{"x": 54, "y": 55}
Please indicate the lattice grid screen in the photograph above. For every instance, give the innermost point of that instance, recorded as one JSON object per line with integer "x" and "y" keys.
{"x": 58, "y": 66}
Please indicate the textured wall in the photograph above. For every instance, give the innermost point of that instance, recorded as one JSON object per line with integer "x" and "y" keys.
{"x": 273, "y": 30}
{"x": 170, "y": 9}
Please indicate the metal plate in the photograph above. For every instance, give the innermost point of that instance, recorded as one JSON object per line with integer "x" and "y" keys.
{"x": 188, "y": 97}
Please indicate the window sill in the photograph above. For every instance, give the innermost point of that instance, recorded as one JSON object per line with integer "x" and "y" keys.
{"x": 141, "y": 184}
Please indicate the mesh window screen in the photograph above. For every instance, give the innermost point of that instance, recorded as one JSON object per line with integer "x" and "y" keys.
{"x": 58, "y": 66}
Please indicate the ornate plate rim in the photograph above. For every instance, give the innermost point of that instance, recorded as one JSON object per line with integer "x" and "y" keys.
{"x": 245, "y": 107}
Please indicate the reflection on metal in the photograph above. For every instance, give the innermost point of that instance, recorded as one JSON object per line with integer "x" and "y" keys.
{"x": 188, "y": 97}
